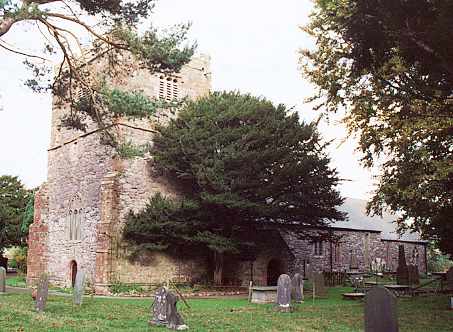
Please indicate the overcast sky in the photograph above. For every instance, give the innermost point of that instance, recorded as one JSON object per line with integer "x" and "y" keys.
{"x": 253, "y": 46}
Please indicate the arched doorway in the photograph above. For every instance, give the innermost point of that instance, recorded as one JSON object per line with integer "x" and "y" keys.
{"x": 274, "y": 269}
{"x": 73, "y": 272}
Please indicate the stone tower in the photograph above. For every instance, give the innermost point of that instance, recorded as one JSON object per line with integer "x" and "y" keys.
{"x": 80, "y": 210}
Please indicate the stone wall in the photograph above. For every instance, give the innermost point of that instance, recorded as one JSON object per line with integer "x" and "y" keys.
{"x": 415, "y": 254}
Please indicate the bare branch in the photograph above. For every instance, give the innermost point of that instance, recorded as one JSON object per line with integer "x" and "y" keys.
{"x": 21, "y": 53}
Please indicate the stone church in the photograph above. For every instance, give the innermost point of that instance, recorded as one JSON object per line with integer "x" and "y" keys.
{"x": 80, "y": 210}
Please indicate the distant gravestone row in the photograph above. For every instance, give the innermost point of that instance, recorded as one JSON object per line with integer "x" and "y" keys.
{"x": 164, "y": 311}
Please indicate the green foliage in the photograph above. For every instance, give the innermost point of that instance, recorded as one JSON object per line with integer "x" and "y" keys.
{"x": 13, "y": 201}
{"x": 390, "y": 65}
{"x": 128, "y": 150}
{"x": 122, "y": 288}
{"x": 436, "y": 261}
{"x": 240, "y": 163}
{"x": 18, "y": 258}
{"x": 28, "y": 215}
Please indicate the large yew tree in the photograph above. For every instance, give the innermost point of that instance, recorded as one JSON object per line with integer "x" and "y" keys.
{"x": 112, "y": 26}
{"x": 13, "y": 202}
{"x": 242, "y": 164}
{"x": 389, "y": 65}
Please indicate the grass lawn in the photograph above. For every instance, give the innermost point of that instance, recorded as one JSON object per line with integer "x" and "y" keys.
{"x": 333, "y": 314}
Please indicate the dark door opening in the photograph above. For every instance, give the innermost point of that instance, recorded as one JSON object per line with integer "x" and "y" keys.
{"x": 73, "y": 272}
{"x": 274, "y": 269}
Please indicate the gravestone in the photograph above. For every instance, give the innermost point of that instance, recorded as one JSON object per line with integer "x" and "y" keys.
{"x": 79, "y": 287}
{"x": 159, "y": 307}
{"x": 2, "y": 279}
{"x": 164, "y": 311}
{"x": 297, "y": 288}
{"x": 449, "y": 278}
{"x": 354, "y": 263}
{"x": 413, "y": 275}
{"x": 402, "y": 273}
{"x": 175, "y": 321}
{"x": 380, "y": 311}
{"x": 284, "y": 292}
{"x": 319, "y": 285}
{"x": 42, "y": 293}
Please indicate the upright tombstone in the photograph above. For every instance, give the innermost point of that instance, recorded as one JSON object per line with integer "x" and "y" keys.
{"x": 413, "y": 275}
{"x": 319, "y": 285}
{"x": 164, "y": 311}
{"x": 2, "y": 279}
{"x": 449, "y": 278}
{"x": 79, "y": 287}
{"x": 402, "y": 272}
{"x": 297, "y": 287}
{"x": 380, "y": 311}
{"x": 159, "y": 308}
{"x": 42, "y": 293}
{"x": 175, "y": 321}
{"x": 284, "y": 292}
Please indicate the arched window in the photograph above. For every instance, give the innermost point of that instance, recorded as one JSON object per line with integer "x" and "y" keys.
{"x": 75, "y": 219}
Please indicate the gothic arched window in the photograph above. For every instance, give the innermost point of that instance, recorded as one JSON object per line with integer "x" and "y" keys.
{"x": 75, "y": 219}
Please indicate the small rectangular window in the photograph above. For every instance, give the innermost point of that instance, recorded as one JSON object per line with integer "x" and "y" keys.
{"x": 318, "y": 248}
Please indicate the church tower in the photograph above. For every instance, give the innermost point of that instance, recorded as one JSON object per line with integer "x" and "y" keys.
{"x": 80, "y": 210}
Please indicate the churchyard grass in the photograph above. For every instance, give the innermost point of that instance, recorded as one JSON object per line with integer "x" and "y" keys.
{"x": 332, "y": 314}
{"x": 16, "y": 281}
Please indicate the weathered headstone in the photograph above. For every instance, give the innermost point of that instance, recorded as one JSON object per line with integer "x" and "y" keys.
{"x": 175, "y": 321}
{"x": 319, "y": 284}
{"x": 159, "y": 307}
{"x": 354, "y": 263}
{"x": 42, "y": 293}
{"x": 449, "y": 278}
{"x": 380, "y": 311}
{"x": 413, "y": 275}
{"x": 164, "y": 310}
{"x": 284, "y": 292}
{"x": 297, "y": 288}
{"x": 79, "y": 287}
{"x": 402, "y": 273}
{"x": 2, "y": 279}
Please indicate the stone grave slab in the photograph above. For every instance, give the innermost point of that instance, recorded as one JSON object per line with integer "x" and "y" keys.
{"x": 319, "y": 285}
{"x": 284, "y": 292}
{"x": 380, "y": 311}
{"x": 264, "y": 294}
{"x": 297, "y": 287}
{"x": 42, "y": 293}
{"x": 79, "y": 288}
{"x": 2, "y": 279}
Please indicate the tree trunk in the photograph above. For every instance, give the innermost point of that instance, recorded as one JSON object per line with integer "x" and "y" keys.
{"x": 218, "y": 268}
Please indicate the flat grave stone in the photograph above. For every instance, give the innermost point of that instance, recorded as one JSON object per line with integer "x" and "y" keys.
{"x": 284, "y": 292}
{"x": 264, "y": 294}
{"x": 79, "y": 288}
{"x": 42, "y": 293}
{"x": 2, "y": 279}
{"x": 353, "y": 296}
{"x": 380, "y": 311}
{"x": 297, "y": 287}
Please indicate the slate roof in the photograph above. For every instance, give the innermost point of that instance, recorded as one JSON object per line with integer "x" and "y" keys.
{"x": 357, "y": 219}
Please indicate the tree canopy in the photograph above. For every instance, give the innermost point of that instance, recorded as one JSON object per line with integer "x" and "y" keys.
{"x": 242, "y": 164}
{"x": 13, "y": 202}
{"x": 389, "y": 65}
{"x": 115, "y": 37}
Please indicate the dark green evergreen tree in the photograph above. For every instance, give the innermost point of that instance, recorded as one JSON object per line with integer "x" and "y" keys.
{"x": 13, "y": 201}
{"x": 242, "y": 164}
